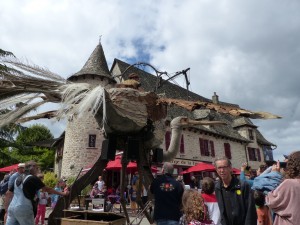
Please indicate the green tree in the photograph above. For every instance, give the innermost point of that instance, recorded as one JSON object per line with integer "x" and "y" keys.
{"x": 30, "y": 138}
{"x": 7, "y": 134}
{"x": 50, "y": 179}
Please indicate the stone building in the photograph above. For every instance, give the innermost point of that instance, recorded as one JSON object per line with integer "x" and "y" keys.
{"x": 239, "y": 140}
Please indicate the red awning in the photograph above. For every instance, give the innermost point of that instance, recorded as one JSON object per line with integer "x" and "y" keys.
{"x": 116, "y": 165}
{"x": 9, "y": 168}
{"x": 200, "y": 167}
{"x": 236, "y": 171}
{"x": 206, "y": 167}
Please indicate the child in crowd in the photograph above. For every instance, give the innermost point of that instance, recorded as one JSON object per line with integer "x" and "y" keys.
{"x": 208, "y": 188}
{"x": 132, "y": 196}
{"x": 263, "y": 212}
{"x": 42, "y": 198}
{"x": 194, "y": 209}
{"x": 59, "y": 187}
{"x": 95, "y": 191}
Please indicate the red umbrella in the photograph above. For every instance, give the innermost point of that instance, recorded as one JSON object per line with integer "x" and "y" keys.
{"x": 236, "y": 171}
{"x": 116, "y": 165}
{"x": 9, "y": 168}
{"x": 200, "y": 167}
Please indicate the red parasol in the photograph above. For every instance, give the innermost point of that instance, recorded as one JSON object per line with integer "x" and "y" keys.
{"x": 236, "y": 171}
{"x": 9, "y": 168}
{"x": 116, "y": 165}
{"x": 200, "y": 167}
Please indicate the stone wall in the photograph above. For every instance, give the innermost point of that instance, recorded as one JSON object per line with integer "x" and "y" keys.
{"x": 77, "y": 154}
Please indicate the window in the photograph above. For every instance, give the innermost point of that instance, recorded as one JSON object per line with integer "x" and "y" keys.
{"x": 167, "y": 139}
{"x": 258, "y": 154}
{"x": 206, "y": 147}
{"x": 92, "y": 140}
{"x": 60, "y": 152}
{"x": 182, "y": 145}
{"x": 227, "y": 150}
{"x": 250, "y": 134}
{"x": 212, "y": 148}
{"x": 254, "y": 154}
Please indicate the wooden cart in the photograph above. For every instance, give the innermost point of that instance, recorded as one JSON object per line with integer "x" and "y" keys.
{"x": 89, "y": 217}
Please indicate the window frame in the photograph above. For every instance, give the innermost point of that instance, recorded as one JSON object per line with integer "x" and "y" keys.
{"x": 227, "y": 150}
{"x": 207, "y": 147}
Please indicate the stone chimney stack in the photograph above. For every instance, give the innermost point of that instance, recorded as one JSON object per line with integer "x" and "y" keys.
{"x": 215, "y": 98}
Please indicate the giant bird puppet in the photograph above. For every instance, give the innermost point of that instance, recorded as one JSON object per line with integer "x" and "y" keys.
{"x": 124, "y": 112}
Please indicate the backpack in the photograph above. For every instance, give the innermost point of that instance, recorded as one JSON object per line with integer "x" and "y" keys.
{"x": 4, "y": 186}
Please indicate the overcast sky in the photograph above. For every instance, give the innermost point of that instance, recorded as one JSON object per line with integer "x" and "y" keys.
{"x": 247, "y": 52}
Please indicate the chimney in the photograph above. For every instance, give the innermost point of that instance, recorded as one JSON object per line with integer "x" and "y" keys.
{"x": 215, "y": 98}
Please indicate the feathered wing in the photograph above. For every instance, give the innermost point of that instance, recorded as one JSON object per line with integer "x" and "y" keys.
{"x": 25, "y": 87}
{"x": 34, "y": 86}
{"x": 17, "y": 113}
{"x": 80, "y": 98}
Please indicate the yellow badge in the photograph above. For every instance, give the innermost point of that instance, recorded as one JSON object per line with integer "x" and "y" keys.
{"x": 238, "y": 192}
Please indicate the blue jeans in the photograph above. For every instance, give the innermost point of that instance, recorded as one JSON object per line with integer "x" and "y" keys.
{"x": 167, "y": 222}
{"x": 20, "y": 215}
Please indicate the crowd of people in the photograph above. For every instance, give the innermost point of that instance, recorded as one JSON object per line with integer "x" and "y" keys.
{"x": 270, "y": 197}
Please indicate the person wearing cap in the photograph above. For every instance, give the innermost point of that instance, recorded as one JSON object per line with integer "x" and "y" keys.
{"x": 9, "y": 194}
{"x": 21, "y": 209}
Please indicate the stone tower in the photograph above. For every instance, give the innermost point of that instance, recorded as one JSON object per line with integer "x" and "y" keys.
{"x": 83, "y": 137}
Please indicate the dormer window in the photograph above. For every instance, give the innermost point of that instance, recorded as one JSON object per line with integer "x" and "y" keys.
{"x": 251, "y": 137}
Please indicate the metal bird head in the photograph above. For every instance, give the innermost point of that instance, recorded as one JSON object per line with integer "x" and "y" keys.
{"x": 183, "y": 121}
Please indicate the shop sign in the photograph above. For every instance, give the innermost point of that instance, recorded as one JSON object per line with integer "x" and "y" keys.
{"x": 183, "y": 162}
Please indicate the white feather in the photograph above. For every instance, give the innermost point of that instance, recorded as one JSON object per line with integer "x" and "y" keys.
{"x": 12, "y": 101}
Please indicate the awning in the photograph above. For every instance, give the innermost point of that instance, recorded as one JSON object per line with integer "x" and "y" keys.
{"x": 206, "y": 167}
{"x": 116, "y": 165}
{"x": 9, "y": 168}
{"x": 200, "y": 167}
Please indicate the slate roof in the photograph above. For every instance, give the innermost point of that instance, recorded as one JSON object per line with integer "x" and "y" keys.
{"x": 261, "y": 139}
{"x": 95, "y": 65}
{"x": 170, "y": 90}
{"x": 242, "y": 121}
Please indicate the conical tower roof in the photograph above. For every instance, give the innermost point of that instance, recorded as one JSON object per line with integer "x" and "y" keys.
{"x": 95, "y": 65}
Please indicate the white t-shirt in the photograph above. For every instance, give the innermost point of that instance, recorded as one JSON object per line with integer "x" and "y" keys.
{"x": 43, "y": 198}
{"x": 100, "y": 184}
